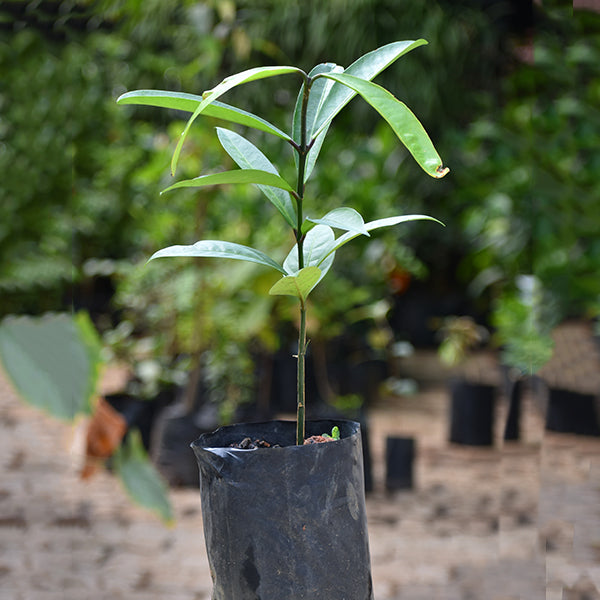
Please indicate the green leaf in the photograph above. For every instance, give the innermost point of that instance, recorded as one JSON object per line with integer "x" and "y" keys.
{"x": 190, "y": 102}
{"x": 242, "y": 176}
{"x": 404, "y": 123}
{"x": 227, "y": 84}
{"x": 53, "y": 362}
{"x": 141, "y": 480}
{"x": 220, "y": 249}
{"x": 345, "y": 218}
{"x": 386, "y": 222}
{"x": 315, "y": 251}
{"x": 318, "y": 93}
{"x": 248, "y": 156}
{"x": 299, "y": 285}
{"x": 366, "y": 67}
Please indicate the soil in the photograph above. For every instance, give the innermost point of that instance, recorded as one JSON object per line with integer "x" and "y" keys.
{"x": 518, "y": 520}
{"x": 250, "y": 444}
{"x": 318, "y": 439}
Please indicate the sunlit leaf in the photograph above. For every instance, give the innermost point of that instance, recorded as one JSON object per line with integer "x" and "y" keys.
{"x": 366, "y": 67}
{"x": 345, "y": 218}
{"x": 219, "y": 249}
{"x": 241, "y": 176}
{"x": 401, "y": 119}
{"x": 190, "y": 102}
{"x": 315, "y": 251}
{"x": 53, "y": 362}
{"x": 227, "y": 84}
{"x": 248, "y": 156}
{"x": 141, "y": 480}
{"x": 299, "y": 285}
{"x": 372, "y": 225}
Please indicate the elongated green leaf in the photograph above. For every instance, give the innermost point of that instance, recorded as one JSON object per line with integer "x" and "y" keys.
{"x": 387, "y": 222}
{"x": 366, "y": 67}
{"x": 318, "y": 93}
{"x": 345, "y": 218}
{"x": 299, "y": 285}
{"x": 241, "y": 176}
{"x": 141, "y": 480}
{"x": 316, "y": 245}
{"x": 404, "y": 123}
{"x": 220, "y": 249}
{"x": 248, "y": 156}
{"x": 190, "y": 102}
{"x": 53, "y": 362}
{"x": 227, "y": 84}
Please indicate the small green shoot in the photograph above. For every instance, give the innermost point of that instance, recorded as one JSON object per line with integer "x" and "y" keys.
{"x": 335, "y": 433}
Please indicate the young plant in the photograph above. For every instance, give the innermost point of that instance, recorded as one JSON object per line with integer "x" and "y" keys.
{"x": 324, "y": 91}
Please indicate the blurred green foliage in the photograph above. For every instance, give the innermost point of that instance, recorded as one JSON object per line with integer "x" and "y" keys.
{"x": 528, "y": 201}
{"x": 80, "y": 198}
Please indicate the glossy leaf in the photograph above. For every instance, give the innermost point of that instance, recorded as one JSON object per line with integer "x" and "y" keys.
{"x": 316, "y": 252}
{"x": 386, "y": 222}
{"x": 52, "y": 361}
{"x": 345, "y": 218}
{"x": 248, "y": 156}
{"x": 220, "y": 249}
{"x": 227, "y": 84}
{"x": 401, "y": 119}
{"x": 366, "y": 67}
{"x": 190, "y": 102}
{"x": 318, "y": 93}
{"x": 140, "y": 478}
{"x": 299, "y": 285}
{"x": 241, "y": 176}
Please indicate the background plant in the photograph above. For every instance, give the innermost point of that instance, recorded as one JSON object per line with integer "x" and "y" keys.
{"x": 73, "y": 244}
{"x": 528, "y": 201}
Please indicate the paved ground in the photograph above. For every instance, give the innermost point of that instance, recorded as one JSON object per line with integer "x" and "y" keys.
{"x": 517, "y": 521}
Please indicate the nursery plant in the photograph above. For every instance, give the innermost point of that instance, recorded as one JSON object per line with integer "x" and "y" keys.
{"x": 324, "y": 91}
{"x": 284, "y": 519}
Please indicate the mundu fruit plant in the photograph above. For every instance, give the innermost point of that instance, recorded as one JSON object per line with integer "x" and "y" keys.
{"x": 324, "y": 92}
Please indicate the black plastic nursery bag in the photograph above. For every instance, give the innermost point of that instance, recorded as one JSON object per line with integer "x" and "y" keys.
{"x": 285, "y": 523}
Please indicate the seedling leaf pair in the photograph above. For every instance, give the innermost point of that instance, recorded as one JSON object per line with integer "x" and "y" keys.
{"x": 327, "y": 99}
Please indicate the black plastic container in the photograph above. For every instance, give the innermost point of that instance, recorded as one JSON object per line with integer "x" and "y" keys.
{"x": 285, "y": 523}
{"x": 400, "y": 457}
{"x": 572, "y": 412}
{"x": 472, "y": 413}
{"x": 512, "y": 427}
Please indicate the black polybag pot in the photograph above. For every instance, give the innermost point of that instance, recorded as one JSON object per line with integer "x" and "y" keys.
{"x": 285, "y": 523}
{"x": 572, "y": 412}
{"x": 400, "y": 456}
{"x": 472, "y": 413}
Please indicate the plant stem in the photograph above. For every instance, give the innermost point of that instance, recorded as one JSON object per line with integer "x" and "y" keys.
{"x": 302, "y": 155}
{"x": 301, "y": 377}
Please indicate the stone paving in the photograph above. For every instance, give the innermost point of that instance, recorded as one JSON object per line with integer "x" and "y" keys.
{"x": 517, "y": 521}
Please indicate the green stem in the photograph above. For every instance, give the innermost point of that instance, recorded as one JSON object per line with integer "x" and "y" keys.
{"x": 302, "y": 155}
{"x": 301, "y": 377}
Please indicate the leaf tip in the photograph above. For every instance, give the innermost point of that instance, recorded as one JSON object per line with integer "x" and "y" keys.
{"x": 441, "y": 171}
{"x": 122, "y": 99}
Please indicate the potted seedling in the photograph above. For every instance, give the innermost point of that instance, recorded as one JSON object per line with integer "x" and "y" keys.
{"x": 283, "y": 517}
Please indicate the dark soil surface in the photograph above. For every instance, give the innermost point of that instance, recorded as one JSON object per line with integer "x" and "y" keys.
{"x": 250, "y": 444}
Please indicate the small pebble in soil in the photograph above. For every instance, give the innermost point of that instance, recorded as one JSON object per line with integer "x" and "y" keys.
{"x": 249, "y": 444}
